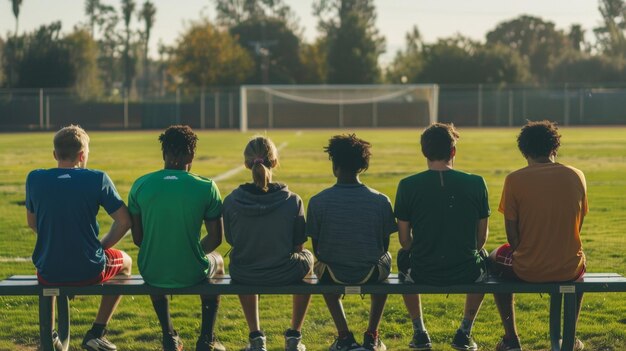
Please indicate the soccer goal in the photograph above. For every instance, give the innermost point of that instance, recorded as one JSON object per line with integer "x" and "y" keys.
{"x": 337, "y": 106}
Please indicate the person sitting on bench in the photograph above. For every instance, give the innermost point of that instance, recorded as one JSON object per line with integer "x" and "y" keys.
{"x": 443, "y": 217}
{"x": 544, "y": 205}
{"x": 350, "y": 225}
{"x": 62, "y": 204}
{"x": 168, "y": 208}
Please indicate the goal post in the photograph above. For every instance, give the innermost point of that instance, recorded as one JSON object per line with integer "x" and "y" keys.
{"x": 337, "y": 106}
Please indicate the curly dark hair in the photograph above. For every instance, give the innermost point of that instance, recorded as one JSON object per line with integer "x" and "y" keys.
{"x": 178, "y": 141}
{"x": 539, "y": 139}
{"x": 349, "y": 153}
{"x": 438, "y": 140}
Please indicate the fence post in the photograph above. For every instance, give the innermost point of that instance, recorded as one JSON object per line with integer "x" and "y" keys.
{"x": 202, "y": 123}
{"x": 565, "y": 105}
{"x": 375, "y": 114}
{"x": 270, "y": 111}
{"x": 524, "y": 104}
{"x": 217, "y": 110}
{"x": 340, "y": 109}
{"x": 48, "y": 112}
{"x": 480, "y": 105}
{"x": 510, "y": 108}
{"x": 230, "y": 110}
{"x": 125, "y": 108}
{"x": 581, "y": 105}
{"x": 177, "y": 105}
{"x": 41, "y": 109}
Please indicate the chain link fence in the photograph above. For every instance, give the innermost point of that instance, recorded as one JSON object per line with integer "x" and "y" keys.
{"x": 218, "y": 108}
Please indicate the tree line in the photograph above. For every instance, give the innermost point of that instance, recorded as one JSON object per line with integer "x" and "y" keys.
{"x": 261, "y": 42}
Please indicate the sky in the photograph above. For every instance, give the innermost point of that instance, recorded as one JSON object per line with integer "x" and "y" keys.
{"x": 434, "y": 18}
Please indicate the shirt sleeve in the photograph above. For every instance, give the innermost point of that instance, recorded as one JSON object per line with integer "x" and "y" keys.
{"x": 299, "y": 225}
{"x": 508, "y": 203}
{"x": 214, "y": 208}
{"x": 312, "y": 220}
{"x": 484, "y": 210}
{"x": 29, "y": 199}
{"x": 109, "y": 198}
{"x": 401, "y": 207}
{"x": 390, "y": 225}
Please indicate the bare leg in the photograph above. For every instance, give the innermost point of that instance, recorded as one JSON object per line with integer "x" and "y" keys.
{"x": 300, "y": 306}
{"x": 413, "y": 304}
{"x": 250, "y": 306}
{"x": 110, "y": 302}
{"x": 377, "y": 306}
{"x": 472, "y": 305}
{"x": 506, "y": 307}
{"x": 333, "y": 302}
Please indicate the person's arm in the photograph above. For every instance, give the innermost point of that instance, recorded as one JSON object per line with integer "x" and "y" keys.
{"x": 404, "y": 234}
{"x": 512, "y": 233}
{"x": 31, "y": 219}
{"x": 213, "y": 239}
{"x": 137, "y": 229}
{"x": 121, "y": 224}
{"x": 386, "y": 242}
{"x": 314, "y": 242}
{"x": 482, "y": 233}
{"x": 298, "y": 248}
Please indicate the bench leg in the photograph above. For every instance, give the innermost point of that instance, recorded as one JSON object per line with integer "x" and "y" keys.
{"x": 63, "y": 321}
{"x": 555, "y": 321}
{"x": 45, "y": 320}
{"x": 570, "y": 307}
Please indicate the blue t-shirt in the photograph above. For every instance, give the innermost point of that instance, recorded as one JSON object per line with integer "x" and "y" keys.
{"x": 65, "y": 203}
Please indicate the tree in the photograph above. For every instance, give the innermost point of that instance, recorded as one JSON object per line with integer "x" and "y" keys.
{"x": 534, "y": 39}
{"x": 585, "y": 68}
{"x": 407, "y": 64}
{"x": 92, "y": 7}
{"x": 610, "y": 36}
{"x": 128, "y": 8}
{"x": 83, "y": 53}
{"x": 354, "y": 43}
{"x": 576, "y": 37}
{"x": 231, "y": 13}
{"x": 274, "y": 47}
{"x": 147, "y": 14}
{"x": 110, "y": 43}
{"x": 313, "y": 58}
{"x": 206, "y": 56}
{"x": 16, "y": 12}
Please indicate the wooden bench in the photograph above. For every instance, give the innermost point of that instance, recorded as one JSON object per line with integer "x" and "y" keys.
{"x": 562, "y": 296}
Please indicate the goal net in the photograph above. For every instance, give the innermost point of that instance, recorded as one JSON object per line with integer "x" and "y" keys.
{"x": 337, "y": 106}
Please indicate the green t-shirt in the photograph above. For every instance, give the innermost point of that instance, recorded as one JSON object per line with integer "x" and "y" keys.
{"x": 443, "y": 208}
{"x": 173, "y": 205}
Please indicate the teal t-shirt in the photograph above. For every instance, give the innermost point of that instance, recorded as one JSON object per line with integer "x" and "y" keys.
{"x": 443, "y": 208}
{"x": 173, "y": 205}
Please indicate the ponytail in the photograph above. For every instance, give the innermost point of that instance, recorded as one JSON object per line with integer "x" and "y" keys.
{"x": 261, "y": 156}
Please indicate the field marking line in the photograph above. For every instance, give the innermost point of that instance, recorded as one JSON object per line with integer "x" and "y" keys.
{"x": 238, "y": 169}
{"x": 14, "y": 259}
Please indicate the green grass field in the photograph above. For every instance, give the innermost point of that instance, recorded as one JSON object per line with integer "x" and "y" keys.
{"x": 492, "y": 153}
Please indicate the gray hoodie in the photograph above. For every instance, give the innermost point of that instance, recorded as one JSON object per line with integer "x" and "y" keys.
{"x": 263, "y": 229}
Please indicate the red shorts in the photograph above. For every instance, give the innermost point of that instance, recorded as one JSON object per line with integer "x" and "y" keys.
{"x": 114, "y": 264}
{"x": 504, "y": 263}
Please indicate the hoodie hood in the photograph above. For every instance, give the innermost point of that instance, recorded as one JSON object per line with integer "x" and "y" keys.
{"x": 259, "y": 205}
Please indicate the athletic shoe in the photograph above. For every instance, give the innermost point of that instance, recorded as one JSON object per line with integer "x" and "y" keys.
{"x": 578, "y": 345}
{"x": 256, "y": 344}
{"x": 207, "y": 343}
{"x": 56, "y": 341}
{"x": 421, "y": 341}
{"x": 293, "y": 343}
{"x": 172, "y": 342}
{"x": 346, "y": 344}
{"x": 373, "y": 343}
{"x": 463, "y": 342}
{"x": 92, "y": 342}
{"x": 508, "y": 345}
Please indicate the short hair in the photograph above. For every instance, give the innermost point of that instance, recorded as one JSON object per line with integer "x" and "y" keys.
{"x": 69, "y": 141}
{"x": 178, "y": 141}
{"x": 261, "y": 155}
{"x": 438, "y": 140}
{"x": 349, "y": 153}
{"x": 539, "y": 139}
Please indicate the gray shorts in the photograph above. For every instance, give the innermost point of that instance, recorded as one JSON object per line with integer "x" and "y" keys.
{"x": 379, "y": 272}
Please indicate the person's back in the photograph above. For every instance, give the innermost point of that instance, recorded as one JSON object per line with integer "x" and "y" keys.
{"x": 352, "y": 221}
{"x": 173, "y": 205}
{"x": 443, "y": 208}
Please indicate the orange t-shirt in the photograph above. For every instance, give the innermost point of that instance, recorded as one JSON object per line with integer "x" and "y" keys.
{"x": 548, "y": 201}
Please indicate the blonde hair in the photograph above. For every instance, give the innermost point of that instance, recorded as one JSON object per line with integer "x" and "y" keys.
{"x": 69, "y": 141}
{"x": 261, "y": 155}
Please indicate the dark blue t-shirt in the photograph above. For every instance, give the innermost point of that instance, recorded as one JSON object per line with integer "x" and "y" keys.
{"x": 66, "y": 202}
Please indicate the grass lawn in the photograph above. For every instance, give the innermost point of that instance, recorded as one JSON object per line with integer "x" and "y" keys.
{"x": 492, "y": 153}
